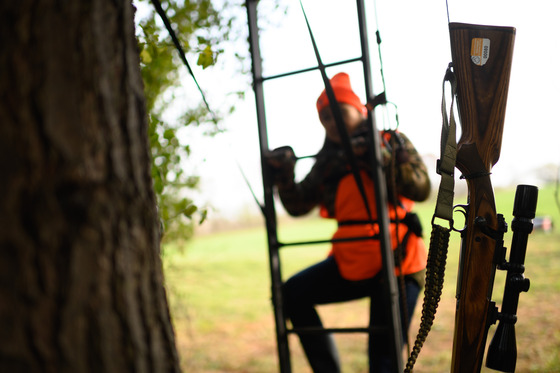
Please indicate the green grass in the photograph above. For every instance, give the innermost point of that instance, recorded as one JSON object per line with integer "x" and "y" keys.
{"x": 218, "y": 287}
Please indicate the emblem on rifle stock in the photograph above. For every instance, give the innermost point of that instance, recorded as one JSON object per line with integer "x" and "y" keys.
{"x": 480, "y": 51}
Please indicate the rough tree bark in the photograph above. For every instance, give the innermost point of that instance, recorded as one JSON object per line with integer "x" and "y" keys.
{"x": 81, "y": 283}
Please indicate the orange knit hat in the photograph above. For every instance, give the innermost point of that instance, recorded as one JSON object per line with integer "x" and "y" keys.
{"x": 343, "y": 92}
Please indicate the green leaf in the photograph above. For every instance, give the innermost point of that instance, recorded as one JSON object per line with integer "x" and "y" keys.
{"x": 190, "y": 210}
{"x": 206, "y": 58}
{"x": 204, "y": 214}
{"x": 169, "y": 134}
{"x": 145, "y": 56}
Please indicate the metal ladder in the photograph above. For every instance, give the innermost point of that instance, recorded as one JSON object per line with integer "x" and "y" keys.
{"x": 391, "y": 295}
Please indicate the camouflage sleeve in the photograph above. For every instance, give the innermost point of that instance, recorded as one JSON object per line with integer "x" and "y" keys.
{"x": 409, "y": 171}
{"x": 300, "y": 198}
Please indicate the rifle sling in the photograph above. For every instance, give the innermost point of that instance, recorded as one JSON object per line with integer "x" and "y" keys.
{"x": 435, "y": 271}
{"x": 439, "y": 239}
{"x": 446, "y": 163}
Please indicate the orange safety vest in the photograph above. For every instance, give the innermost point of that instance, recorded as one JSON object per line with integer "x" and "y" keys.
{"x": 358, "y": 260}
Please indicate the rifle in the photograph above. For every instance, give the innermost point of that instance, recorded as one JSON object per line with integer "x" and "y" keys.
{"x": 482, "y": 58}
{"x": 481, "y": 61}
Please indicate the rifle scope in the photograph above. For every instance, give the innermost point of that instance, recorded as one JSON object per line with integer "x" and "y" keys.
{"x": 502, "y": 352}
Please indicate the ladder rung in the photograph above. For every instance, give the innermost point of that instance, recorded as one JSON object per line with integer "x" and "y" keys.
{"x": 319, "y": 330}
{"x": 351, "y": 60}
{"x": 331, "y": 240}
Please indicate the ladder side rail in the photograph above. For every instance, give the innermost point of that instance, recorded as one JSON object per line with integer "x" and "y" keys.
{"x": 391, "y": 293}
{"x": 269, "y": 210}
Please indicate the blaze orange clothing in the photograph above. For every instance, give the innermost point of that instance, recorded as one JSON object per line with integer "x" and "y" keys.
{"x": 361, "y": 259}
{"x": 331, "y": 185}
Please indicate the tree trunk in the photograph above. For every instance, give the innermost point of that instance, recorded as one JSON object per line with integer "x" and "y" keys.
{"x": 81, "y": 283}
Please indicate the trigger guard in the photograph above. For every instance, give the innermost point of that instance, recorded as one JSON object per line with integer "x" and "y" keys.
{"x": 463, "y": 210}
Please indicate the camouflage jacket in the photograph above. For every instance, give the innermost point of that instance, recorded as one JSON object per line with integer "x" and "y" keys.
{"x": 401, "y": 163}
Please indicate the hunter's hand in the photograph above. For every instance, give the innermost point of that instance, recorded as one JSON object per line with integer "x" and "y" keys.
{"x": 282, "y": 161}
{"x": 281, "y": 158}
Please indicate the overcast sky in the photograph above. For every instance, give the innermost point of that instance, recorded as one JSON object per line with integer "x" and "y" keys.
{"x": 415, "y": 52}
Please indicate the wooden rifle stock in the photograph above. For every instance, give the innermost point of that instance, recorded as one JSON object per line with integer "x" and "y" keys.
{"x": 482, "y": 57}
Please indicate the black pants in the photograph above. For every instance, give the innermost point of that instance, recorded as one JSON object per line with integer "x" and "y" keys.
{"x": 323, "y": 284}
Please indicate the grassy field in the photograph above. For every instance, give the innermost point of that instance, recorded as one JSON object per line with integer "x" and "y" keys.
{"x": 218, "y": 287}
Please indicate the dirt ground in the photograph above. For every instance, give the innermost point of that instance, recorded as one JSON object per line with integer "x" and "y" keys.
{"x": 254, "y": 349}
